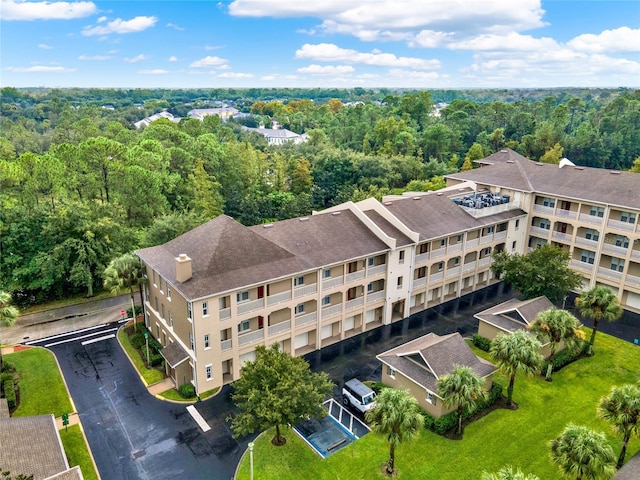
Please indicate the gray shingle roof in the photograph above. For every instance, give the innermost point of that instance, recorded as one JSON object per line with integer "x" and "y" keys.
{"x": 630, "y": 470}
{"x": 174, "y": 354}
{"x": 427, "y": 358}
{"x": 32, "y": 446}
{"x": 509, "y": 169}
{"x": 401, "y": 239}
{"x": 515, "y": 314}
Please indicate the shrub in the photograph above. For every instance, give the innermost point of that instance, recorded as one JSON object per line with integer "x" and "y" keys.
{"x": 138, "y": 311}
{"x": 137, "y": 340}
{"x": 187, "y": 390}
{"x": 565, "y": 357}
{"x": 9, "y": 393}
{"x": 155, "y": 359}
{"x": 481, "y": 342}
{"x": 7, "y": 367}
{"x": 4, "y": 376}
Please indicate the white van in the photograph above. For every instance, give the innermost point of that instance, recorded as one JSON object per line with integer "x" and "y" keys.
{"x": 359, "y": 395}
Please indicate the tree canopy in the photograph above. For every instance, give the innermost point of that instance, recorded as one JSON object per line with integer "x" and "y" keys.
{"x": 583, "y": 454}
{"x": 461, "y": 389}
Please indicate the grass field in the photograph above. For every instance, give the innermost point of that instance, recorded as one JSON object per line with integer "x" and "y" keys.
{"x": 42, "y": 390}
{"x": 150, "y": 375}
{"x": 77, "y": 453}
{"x": 519, "y": 437}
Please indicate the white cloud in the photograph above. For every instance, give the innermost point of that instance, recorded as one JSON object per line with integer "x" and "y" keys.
{"x": 327, "y": 69}
{"x": 208, "y": 48}
{"x": 271, "y": 78}
{"x": 44, "y": 46}
{"x": 118, "y": 25}
{"x": 94, "y": 57}
{"x": 173, "y": 58}
{"x": 174, "y": 26}
{"x": 235, "y": 75}
{"x": 209, "y": 61}
{"x": 328, "y": 52}
{"x": 40, "y": 69}
{"x": 623, "y": 39}
{"x": 102, "y": 19}
{"x": 19, "y": 10}
{"x": 156, "y": 71}
{"x": 136, "y": 59}
{"x": 509, "y": 42}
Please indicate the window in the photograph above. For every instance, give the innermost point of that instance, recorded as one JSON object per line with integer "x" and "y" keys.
{"x": 327, "y": 273}
{"x": 597, "y": 212}
{"x": 587, "y": 257}
{"x": 513, "y": 245}
{"x": 299, "y": 309}
{"x": 489, "y": 230}
{"x": 431, "y": 398}
{"x": 628, "y": 217}
{"x": 440, "y": 266}
{"x": 391, "y": 372}
{"x": 163, "y": 317}
{"x": 206, "y": 341}
{"x": 548, "y": 202}
{"x": 622, "y": 241}
{"x": 517, "y": 223}
{"x": 372, "y": 261}
{"x": 223, "y": 303}
{"x": 370, "y": 287}
{"x": 189, "y": 311}
{"x": 244, "y": 325}
{"x": 326, "y": 300}
{"x": 459, "y": 238}
{"x": 298, "y": 281}
{"x": 191, "y": 340}
{"x": 168, "y": 292}
{"x": 156, "y": 302}
{"x": 170, "y": 319}
{"x": 401, "y": 257}
{"x": 592, "y": 234}
{"x": 399, "y": 282}
{"x": 545, "y": 223}
{"x": 617, "y": 264}
{"x": 161, "y": 289}
{"x": 423, "y": 248}
{"x": 456, "y": 261}
{"x": 205, "y": 309}
{"x": 155, "y": 280}
{"x": 208, "y": 371}
{"x": 422, "y": 272}
{"x": 242, "y": 296}
{"x": 443, "y": 242}
{"x": 146, "y": 293}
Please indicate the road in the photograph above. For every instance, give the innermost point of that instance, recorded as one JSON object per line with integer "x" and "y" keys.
{"x": 131, "y": 433}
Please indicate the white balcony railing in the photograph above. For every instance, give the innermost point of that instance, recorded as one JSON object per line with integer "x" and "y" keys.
{"x": 375, "y": 296}
{"x": 570, "y": 214}
{"x": 454, "y": 248}
{"x": 563, "y": 237}
{"x": 500, "y": 235}
{"x": 225, "y": 313}
{"x": 304, "y": 290}
{"x": 250, "y": 337}
{"x": 332, "y": 310}
{"x": 422, "y": 257}
{"x": 484, "y": 261}
{"x": 618, "y": 225}
{"x": 469, "y": 266}
{"x": 279, "y": 327}
{"x": 250, "y": 306}
{"x": 542, "y": 209}
{"x": 486, "y": 239}
{"x": 332, "y": 282}
{"x": 225, "y": 345}
{"x": 306, "y": 318}
{"x": 586, "y": 242}
{"x": 614, "y": 250}
{"x": 633, "y": 280}
{"x": 593, "y": 219}
{"x": 472, "y": 243}
{"x": 539, "y": 232}
{"x": 582, "y": 266}
{"x": 352, "y": 277}
{"x": 279, "y": 297}
{"x": 607, "y": 272}
{"x": 635, "y": 254}
{"x": 418, "y": 282}
{"x": 453, "y": 271}
{"x": 434, "y": 277}
{"x": 377, "y": 269}
{"x": 438, "y": 253}
{"x": 356, "y": 302}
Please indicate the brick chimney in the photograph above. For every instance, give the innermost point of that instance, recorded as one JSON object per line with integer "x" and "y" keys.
{"x": 183, "y": 268}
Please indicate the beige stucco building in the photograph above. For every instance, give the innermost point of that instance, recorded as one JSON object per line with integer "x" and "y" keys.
{"x": 219, "y": 290}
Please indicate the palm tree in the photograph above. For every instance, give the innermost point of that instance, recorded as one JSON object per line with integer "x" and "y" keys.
{"x": 583, "y": 453}
{"x": 463, "y": 389}
{"x": 598, "y": 303}
{"x": 8, "y": 314}
{"x": 125, "y": 271}
{"x": 514, "y": 352}
{"x": 622, "y": 410}
{"x": 508, "y": 473}
{"x": 397, "y": 416}
{"x": 555, "y": 326}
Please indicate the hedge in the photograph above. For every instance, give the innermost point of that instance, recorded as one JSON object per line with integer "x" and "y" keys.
{"x": 9, "y": 393}
{"x": 481, "y": 342}
{"x": 565, "y": 357}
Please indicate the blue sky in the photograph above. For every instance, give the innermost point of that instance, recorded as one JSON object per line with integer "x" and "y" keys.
{"x": 320, "y": 43}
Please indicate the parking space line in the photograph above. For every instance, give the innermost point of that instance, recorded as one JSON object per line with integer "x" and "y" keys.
{"x": 80, "y": 338}
{"x": 99, "y": 339}
{"x": 198, "y": 418}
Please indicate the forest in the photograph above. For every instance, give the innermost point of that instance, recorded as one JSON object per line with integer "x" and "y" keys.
{"x": 80, "y": 185}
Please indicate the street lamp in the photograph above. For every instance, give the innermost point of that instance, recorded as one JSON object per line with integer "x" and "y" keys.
{"x": 251, "y": 459}
{"x": 146, "y": 340}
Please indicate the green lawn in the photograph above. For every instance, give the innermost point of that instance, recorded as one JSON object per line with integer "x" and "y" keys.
{"x": 42, "y": 390}
{"x": 77, "y": 452}
{"x": 517, "y": 437}
{"x": 150, "y": 375}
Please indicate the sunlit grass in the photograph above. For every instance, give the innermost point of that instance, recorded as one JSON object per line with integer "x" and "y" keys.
{"x": 77, "y": 451}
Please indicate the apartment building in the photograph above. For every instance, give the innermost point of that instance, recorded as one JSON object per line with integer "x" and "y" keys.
{"x": 219, "y": 290}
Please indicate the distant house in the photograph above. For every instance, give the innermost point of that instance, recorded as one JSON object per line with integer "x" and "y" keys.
{"x": 278, "y": 136}
{"x": 417, "y": 365}
{"x": 223, "y": 112}
{"x": 163, "y": 114}
{"x": 32, "y": 446}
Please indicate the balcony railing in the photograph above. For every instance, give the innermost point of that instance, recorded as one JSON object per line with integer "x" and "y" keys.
{"x": 453, "y": 271}
{"x": 472, "y": 243}
{"x": 617, "y": 224}
{"x": 279, "y": 327}
{"x": 607, "y": 272}
{"x": 633, "y": 280}
{"x": 469, "y": 266}
{"x": 356, "y": 302}
{"x": 225, "y": 345}
{"x": 583, "y": 266}
{"x": 250, "y": 306}
{"x": 563, "y": 237}
{"x": 332, "y": 282}
{"x": 418, "y": 282}
{"x": 434, "y": 277}
{"x": 486, "y": 239}
{"x": 304, "y": 290}
{"x": 245, "y": 338}
{"x": 332, "y": 310}
{"x": 377, "y": 269}
{"x": 438, "y": 253}
{"x": 352, "y": 277}
{"x": 586, "y": 242}
{"x": 635, "y": 254}
{"x": 454, "y": 248}
{"x": 422, "y": 257}
{"x": 306, "y": 318}
{"x": 484, "y": 261}
{"x": 279, "y": 297}
{"x": 570, "y": 214}
{"x": 539, "y": 232}
{"x": 375, "y": 296}
{"x": 500, "y": 235}
{"x": 614, "y": 249}
{"x": 593, "y": 219}
{"x": 225, "y": 313}
{"x": 542, "y": 209}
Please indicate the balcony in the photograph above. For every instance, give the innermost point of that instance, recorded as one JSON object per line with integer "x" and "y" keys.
{"x": 483, "y": 262}
{"x": 225, "y": 313}
{"x": 633, "y": 280}
{"x": 542, "y": 209}
{"x": 225, "y": 345}
{"x": 332, "y": 282}
{"x": 419, "y": 282}
{"x": 592, "y": 219}
{"x": 586, "y": 242}
{"x": 375, "y": 296}
{"x": 570, "y": 214}
{"x": 438, "y": 253}
{"x": 614, "y": 250}
{"x": 607, "y": 272}
{"x": 422, "y": 257}
{"x": 582, "y": 266}
{"x": 352, "y": 277}
{"x": 635, "y": 254}
{"x": 467, "y": 267}
{"x": 434, "y": 277}
{"x": 618, "y": 225}
{"x": 453, "y": 271}
{"x": 500, "y": 235}
{"x": 377, "y": 270}
{"x": 486, "y": 239}
{"x": 305, "y": 290}
{"x": 250, "y": 306}
{"x": 454, "y": 248}
{"x": 306, "y": 318}
{"x": 251, "y": 337}
{"x": 539, "y": 232}
{"x": 332, "y": 310}
{"x": 561, "y": 237}
{"x": 279, "y": 328}
{"x": 355, "y": 303}
{"x": 279, "y": 298}
{"x": 472, "y": 243}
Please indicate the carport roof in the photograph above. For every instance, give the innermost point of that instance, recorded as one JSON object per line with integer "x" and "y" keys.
{"x": 174, "y": 354}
